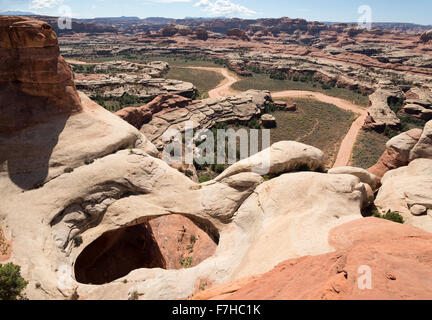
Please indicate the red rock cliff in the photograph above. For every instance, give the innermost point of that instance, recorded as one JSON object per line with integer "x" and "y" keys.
{"x": 36, "y": 83}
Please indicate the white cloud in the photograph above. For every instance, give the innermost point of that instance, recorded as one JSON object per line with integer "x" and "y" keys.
{"x": 224, "y": 8}
{"x": 41, "y": 4}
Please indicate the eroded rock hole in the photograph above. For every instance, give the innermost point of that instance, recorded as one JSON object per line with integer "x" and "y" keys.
{"x": 168, "y": 242}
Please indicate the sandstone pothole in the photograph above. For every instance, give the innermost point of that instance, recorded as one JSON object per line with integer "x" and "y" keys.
{"x": 167, "y": 242}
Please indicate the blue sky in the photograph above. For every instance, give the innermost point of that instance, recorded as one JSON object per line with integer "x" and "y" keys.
{"x": 416, "y": 11}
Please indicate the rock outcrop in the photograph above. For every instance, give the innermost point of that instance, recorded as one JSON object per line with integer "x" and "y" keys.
{"x": 268, "y": 121}
{"x": 397, "y": 153}
{"x": 380, "y": 114}
{"x": 423, "y": 149}
{"x": 426, "y": 36}
{"x": 418, "y": 103}
{"x": 36, "y": 83}
{"x": 142, "y": 86}
{"x": 406, "y": 190}
{"x": 398, "y": 269}
{"x": 362, "y": 174}
{"x": 281, "y": 157}
{"x": 205, "y": 114}
{"x": 141, "y": 115}
{"x": 47, "y": 127}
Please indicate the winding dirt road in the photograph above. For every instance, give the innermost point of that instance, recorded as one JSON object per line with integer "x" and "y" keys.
{"x": 345, "y": 151}
{"x": 224, "y": 88}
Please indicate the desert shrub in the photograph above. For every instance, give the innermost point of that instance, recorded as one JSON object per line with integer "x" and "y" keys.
{"x": 11, "y": 282}
{"x": 277, "y": 75}
{"x": 270, "y": 108}
{"x": 390, "y": 215}
{"x": 253, "y": 124}
{"x": 189, "y": 173}
{"x": 218, "y": 168}
{"x": 186, "y": 262}
{"x": 205, "y": 178}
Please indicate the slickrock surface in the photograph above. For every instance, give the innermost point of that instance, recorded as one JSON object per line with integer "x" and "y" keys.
{"x": 142, "y": 86}
{"x": 281, "y": 157}
{"x": 205, "y": 114}
{"x": 396, "y": 255}
{"x": 362, "y": 174}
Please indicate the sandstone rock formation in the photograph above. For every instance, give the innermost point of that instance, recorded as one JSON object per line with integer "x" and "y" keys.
{"x": 281, "y": 157}
{"x": 94, "y": 192}
{"x": 47, "y": 124}
{"x": 405, "y": 189}
{"x": 398, "y": 269}
{"x": 380, "y": 114}
{"x": 142, "y": 86}
{"x": 363, "y": 175}
{"x": 141, "y": 115}
{"x": 268, "y": 121}
{"x": 90, "y": 210}
{"x": 426, "y": 36}
{"x": 36, "y": 84}
{"x": 423, "y": 149}
{"x": 397, "y": 153}
{"x": 205, "y": 114}
{"x": 419, "y": 103}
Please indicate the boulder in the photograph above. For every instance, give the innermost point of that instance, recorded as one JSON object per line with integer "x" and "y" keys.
{"x": 423, "y": 149}
{"x": 418, "y": 111}
{"x": 362, "y": 174}
{"x": 397, "y": 153}
{"x": 281, "y": 157}
{"x": 405, "y": 189}
{"x": 418, "y": 210}
{"x": 268, "y": 121}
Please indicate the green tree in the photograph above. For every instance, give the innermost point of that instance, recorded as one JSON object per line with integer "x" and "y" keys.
{"x": 11, "y": 282}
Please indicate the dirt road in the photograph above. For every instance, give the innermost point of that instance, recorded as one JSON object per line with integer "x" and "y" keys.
{"x": 224, "y": 88}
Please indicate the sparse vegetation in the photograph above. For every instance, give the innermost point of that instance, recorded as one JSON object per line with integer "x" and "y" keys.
{"x": 186, "y": 262}
{"x": 11, "y": 282}
{"x": 134, "y": 296}
{"x": 279, "y": 82}
{"x": 204, "y": 80}
{"x": 115, "y": 104}
{"x": 369, "y": 147}
{"x": 391, "y": 216}
{"x": 312, "y": 124}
